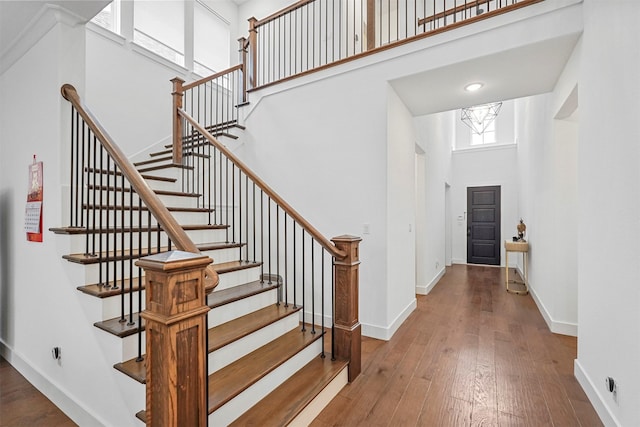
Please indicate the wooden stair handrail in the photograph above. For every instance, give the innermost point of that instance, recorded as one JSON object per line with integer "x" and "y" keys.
{"x": 168, "y": 223}
{"x": 323, "y": 241}
{"x": 282, "y": 12}
{"x": 212, "y": 77}
{"x": 452, "y": 11}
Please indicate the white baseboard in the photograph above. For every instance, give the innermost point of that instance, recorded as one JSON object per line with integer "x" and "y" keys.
{"x": 55, "y": 394}
{"x": 424, "y": 290}
{"x": 557, "y": 327}
{"x": 458, "y": 261}
{"x": 385, "y": 333}
{"x": 607, "y": 418}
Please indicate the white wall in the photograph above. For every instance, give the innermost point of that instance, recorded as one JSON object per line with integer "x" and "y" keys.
{"x": 476, "y": 168}
{"x": 401, "y": 218}
{"x": 608, "y": 206}
{"x": 39, "y": 305}
{"x": 129, "y": 92}
{"x": 435, "y": 135}
{"x": 547, "y": 159}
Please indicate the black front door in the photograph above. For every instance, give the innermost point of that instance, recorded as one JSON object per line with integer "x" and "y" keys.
{"x": 483, "y": 225}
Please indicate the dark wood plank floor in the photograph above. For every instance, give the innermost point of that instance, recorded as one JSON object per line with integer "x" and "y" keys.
{"x": 21, "y": 404}
{"x": 470, "y": 355}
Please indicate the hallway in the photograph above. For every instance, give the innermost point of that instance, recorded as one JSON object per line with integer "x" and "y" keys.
{"x": 470, "y": 355}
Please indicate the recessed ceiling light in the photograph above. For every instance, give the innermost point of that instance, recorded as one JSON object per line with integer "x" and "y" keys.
{"x": 472, "y": 87}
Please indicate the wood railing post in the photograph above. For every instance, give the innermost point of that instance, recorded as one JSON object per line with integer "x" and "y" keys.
{"x": 371, "y": 24}
{"x": 347, "y": 327}
{"x": 177, "y": 120}
{"x": 176, "y": 328}
{"x": 243, "y": 61}
{"x": 253, "y": 57}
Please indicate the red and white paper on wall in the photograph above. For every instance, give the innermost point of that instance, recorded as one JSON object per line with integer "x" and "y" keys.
{"x": 33, "y": 210}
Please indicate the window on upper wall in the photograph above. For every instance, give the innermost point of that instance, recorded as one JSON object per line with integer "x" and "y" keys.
{"x": 211, "y": 42}
{"x": 488, "y": 136}
{"x": 159, "y": 27}
{"x": 109, "y": 17}
{"x": 481, "y": 120}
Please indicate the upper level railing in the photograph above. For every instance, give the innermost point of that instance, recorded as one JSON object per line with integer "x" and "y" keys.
{"x": 311, "y": 35}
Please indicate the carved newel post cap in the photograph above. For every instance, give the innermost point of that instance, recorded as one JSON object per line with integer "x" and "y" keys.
{"x": 173, "y": 260}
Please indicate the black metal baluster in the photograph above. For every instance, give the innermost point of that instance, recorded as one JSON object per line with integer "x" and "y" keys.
{"x": 93, "y": 199}
{"x": 322, "y": 263}
{"x": 313, "y": 287}
{"x": 140, "y": 358}
{"x": 122, "y": 260}
{"x": 131, "y": 228}
{"x": 333, "y": 308}
{"x": 269, "y": 228}
{"x": 107, "y": 211}
{"x": 233, "y": 202}
{"x": 286, "y": 267}
{"x": 304, "y": 261}
{"x": 261, "y": 236}
{"x": 100, "y": 215}
{"x": 278, "y": 251}
{"x": 295, "y": 277}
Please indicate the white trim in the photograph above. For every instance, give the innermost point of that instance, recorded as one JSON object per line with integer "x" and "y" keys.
{"x": 424, "y": 290}
{"x": 135, "y": 47}
{"x": 43, "y": 22}
{"x": 599, "y": 404}
{"x": 385, "y": 333}
{"x": 458, "y": 261}
{"x": 107, "y": 34}
{"x": 485, "y": 147}
{"x": 555, "y": 326}
{"x": 60, "y": 397}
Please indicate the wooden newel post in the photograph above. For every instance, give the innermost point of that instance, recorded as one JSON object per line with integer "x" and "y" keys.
{"x": 176, "y": 328}
{"x": 177, "y": 120}
{"x": 347, "y": 326}
{"x": 253, "y": 52}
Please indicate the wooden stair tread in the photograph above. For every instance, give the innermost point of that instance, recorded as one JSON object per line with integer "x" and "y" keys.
{"x": 240, "y": 327}
{"x": 215, "y": 299}
{"x": 227, "y": 267}
{"x": 282, "y": 405}
{"x": 226, "y": 296}
{"x": 120, "y": 329}
{"x": 224, "y": 267}
{"x": 233, "y": 379}
{"x": 83, "y": 230}
{"x": 100, "y": 291}
{"x": 144, "y": 208}
{"x": 220, "y": 335}
{"x": 128, "y": 189}
{"x": 164, "y": 166}
{"x": 154, "y": 160}
{"x": 145, "y": 176}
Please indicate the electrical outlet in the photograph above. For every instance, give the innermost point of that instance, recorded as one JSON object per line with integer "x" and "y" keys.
{"x": 437, "y": 264}
{"x": 366, "y": 229}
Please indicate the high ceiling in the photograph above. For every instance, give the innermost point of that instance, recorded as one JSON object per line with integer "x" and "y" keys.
{"x": 528, "y": 70}
{"x": 15, "y": 15}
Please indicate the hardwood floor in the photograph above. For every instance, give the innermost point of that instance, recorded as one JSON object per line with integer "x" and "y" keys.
{"x": 21, "y": 404}
{"x": 470, "y": 355}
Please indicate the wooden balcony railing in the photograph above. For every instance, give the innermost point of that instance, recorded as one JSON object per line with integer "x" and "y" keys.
{"x": 311, "y": 35}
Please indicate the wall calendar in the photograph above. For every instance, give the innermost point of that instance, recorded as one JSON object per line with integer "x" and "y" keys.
{"x": 33, "y": 209}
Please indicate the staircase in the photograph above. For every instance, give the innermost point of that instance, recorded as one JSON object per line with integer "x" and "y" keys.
{"x": 269, "y": 362}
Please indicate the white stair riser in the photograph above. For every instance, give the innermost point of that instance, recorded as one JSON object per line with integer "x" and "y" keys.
{"x": 130, "y": 346}
{"x": 220, "y": 256}
{"x": 235, "y": 278}
{"x": 163, "y": 185}
{"x": 228, "y": 312}
{"x": 237, "y": 349}
{"x": 78, "y": 242}
{"x": 111, "y": 305}
{"x": 252, "y": 395}
{"x": 100, "y": 198}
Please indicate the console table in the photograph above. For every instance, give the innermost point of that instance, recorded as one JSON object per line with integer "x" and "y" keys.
{"x": 522, "y": 247}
